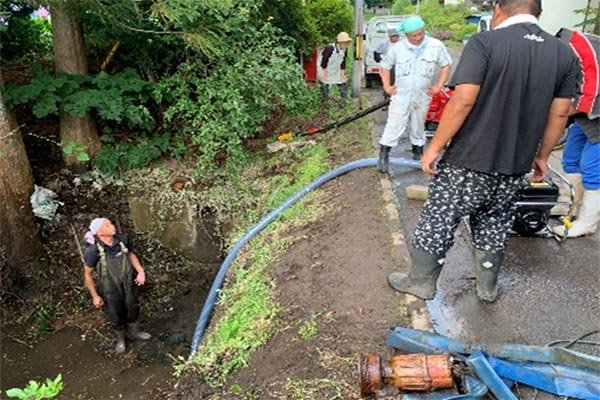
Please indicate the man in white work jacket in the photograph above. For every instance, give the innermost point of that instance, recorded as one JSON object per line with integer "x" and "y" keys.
{"x": 332, "y": 66}
{"x": 415, "y": 59}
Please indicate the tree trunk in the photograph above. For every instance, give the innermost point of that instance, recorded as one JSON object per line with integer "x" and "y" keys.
{"x": 19, "y": 241}
{"x": 597, "y": 24}
{"x": 69, "y": 57}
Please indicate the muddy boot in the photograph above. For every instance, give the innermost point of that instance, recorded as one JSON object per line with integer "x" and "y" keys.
{"x": 384, "y": 159}
{"x": 120, "y": 335}
{"x": 133, "y": 333}
{"x": 422, "y": 277}
{"x": 486, "y": 270}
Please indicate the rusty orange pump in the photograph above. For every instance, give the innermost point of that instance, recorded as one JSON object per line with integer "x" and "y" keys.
{"x": 417, "y": 372}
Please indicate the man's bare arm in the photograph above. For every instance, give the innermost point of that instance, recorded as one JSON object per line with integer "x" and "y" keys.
{"x": 555, "y": 126}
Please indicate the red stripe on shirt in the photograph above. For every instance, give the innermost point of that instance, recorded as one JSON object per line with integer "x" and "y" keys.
{"x": 589, "y": 65}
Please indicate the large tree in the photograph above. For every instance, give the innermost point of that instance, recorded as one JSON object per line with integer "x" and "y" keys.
{"x": 19, "y": 242}
{"x": 69, "y": 56}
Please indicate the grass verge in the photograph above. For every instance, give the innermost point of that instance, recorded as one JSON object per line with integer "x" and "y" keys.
{"x": 247, "y": 307}
{"x": 246, "y": 314}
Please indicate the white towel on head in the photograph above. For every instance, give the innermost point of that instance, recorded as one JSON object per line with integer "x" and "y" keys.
{"x": 93, "y": 229}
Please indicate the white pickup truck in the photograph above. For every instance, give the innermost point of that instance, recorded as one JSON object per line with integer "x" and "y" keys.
{"x": 375, "y": 33}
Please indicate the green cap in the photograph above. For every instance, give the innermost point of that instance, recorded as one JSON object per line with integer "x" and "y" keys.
{"x": 411, "y": 24}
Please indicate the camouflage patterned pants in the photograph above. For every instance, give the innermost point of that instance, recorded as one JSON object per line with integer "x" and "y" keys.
{"x": 488, "y": 199}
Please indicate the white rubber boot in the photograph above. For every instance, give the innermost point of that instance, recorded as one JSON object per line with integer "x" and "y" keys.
{"x": 588, "y": 217}
{"x": 563, "y": 209}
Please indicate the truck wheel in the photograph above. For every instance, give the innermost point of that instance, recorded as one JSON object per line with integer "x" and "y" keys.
{"x": 369, "y": 81}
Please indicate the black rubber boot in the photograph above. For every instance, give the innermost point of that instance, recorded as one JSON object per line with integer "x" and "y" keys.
{"x": 384, "y": 159}
{"x": 417, "y": 152}
{"x": 134, "y": 333}
{"x": 486, "y": 270}
{"x": 422, "y": 277}
{"x": 120, "y": 334}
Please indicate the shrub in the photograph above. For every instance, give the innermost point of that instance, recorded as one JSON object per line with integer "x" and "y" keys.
{"x": 439, "y": 17}
{"x": 25, "y": 38}
{"x": 215, "y": 113}
{"x": 295, "y": 21}
{"x": 332, "y": 17}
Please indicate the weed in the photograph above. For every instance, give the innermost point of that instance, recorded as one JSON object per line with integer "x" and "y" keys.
{"x": 36, "y": 391}
{"x": 310, "y": 328}
{"x": 309, "y": 389}
{"x": 42, "y": 317}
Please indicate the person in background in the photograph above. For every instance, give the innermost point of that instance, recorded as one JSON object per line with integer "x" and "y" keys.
{"x": 513, "y": 91}
{"x": 581, "y": 156}
{"x": 381, "y": 51}
{"x": 415, "y": 59}
{"x": 332, "y": 66}
{"x": 385, "y": 46}
{"x": 119, "y": 272}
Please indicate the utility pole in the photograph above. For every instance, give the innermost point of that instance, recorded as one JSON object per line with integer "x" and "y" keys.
{"x": 357, "y": 65}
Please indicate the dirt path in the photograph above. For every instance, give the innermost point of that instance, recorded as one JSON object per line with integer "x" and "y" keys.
{"x": 330, "y": 283}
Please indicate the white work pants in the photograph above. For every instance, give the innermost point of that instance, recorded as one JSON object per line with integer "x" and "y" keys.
{"x": 406, "y": 112}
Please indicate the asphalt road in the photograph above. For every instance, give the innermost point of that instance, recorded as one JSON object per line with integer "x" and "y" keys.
{"x": 548, "y": 291}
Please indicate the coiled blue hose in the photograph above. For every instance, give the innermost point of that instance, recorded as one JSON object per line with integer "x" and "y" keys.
{"x": 218, "y": 282}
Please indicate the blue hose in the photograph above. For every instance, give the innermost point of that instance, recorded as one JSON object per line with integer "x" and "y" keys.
{"x": 218, "y": 282}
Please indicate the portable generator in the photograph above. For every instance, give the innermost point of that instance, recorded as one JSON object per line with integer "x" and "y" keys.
{"x": 536, "y": 199}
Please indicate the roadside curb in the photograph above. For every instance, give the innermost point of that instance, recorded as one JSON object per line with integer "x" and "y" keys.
{"x": 416, "y": 308}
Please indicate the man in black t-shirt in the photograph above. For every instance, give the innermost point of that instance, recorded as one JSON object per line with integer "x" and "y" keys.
{"x": 513, "y": 87}
{"x": 119, "y": 272}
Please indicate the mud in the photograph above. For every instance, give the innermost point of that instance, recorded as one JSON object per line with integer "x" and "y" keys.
{"x": 84, "y": 357}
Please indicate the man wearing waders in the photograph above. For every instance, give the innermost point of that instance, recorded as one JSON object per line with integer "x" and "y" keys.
{"x": 513, "y": 90}
{"x": 415, "y": 58}
{"x": 332, "y": 66}
{"x": 112, "y": 257}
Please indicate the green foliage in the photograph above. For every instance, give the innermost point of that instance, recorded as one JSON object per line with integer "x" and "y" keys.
{"x": 42, "y": 317}
{"x": 119, "y": 98}
{"x": 208, "y": 26}
{"x": 439, "y": 17}
{"x": 590, "y": 16}
{"x": 308, "y": 329}
{"x": 295, "y": 21}
{"x": 24, "y": 38}
{"x": 400, "y": 7}
{"x": 379, "y": 3}
{"x": 332, "y": 17}
{"x": 36, "y": 391}
{"x": 75, "y": 149}
{"x": 309, "y": 389}
{"x": 217, "y": 112}
{"x": 130, "y": 155}
{"x": 249, "y": 317}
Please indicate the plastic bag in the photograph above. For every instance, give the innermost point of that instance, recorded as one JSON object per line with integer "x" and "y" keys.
{"x": 44, "y": 202}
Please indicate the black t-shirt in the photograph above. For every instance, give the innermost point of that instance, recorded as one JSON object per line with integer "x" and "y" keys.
{"x": 520, "y": 69}
{"x": 91, "y": 255}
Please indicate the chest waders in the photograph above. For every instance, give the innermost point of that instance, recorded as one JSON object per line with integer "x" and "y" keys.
{"x": 117, "y": 289}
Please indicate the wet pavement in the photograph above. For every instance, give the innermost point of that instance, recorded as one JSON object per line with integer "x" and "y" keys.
{"x": 548, "y": 291}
